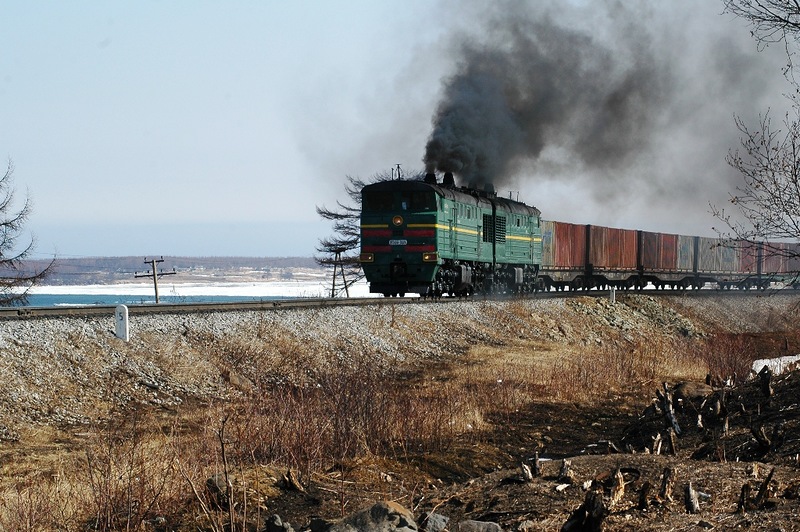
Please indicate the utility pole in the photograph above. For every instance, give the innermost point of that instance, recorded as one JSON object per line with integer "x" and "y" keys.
{"x": 339, "y": 263}
{"x": 154, "y": 273}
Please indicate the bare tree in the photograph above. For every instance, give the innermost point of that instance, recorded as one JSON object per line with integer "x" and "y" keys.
{"x": 769, "y": 199}
{"x": 767, "y": 205}
{"x": 16, "y": 279}
{"x": 773, "y": 21}
{"x": 342, "y": 248}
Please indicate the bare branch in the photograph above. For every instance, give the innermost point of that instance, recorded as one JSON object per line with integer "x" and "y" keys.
{"x": 15, "y": 279}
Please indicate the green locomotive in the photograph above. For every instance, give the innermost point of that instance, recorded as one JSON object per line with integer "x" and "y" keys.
{"x": 434, "y": 238}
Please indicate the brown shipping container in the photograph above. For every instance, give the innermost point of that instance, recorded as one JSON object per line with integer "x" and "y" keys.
{"x": 569, "y": 245}
{"x": 612, "y": 249}
{"x": 659, "y": 251}
{"x": 748, "y": 256}
{"x": 775, "y": 258}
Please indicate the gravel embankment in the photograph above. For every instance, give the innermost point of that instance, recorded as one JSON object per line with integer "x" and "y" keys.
{"x": 72, "y": 370}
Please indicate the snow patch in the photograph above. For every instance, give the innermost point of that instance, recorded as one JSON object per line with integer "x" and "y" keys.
{"x": 777, "y": 365}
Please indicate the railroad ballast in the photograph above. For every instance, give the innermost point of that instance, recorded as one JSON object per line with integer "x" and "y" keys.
{"x": 432, "y": 239}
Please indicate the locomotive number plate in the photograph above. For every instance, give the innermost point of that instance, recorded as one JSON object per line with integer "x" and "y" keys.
{"x": 398, "y": 242}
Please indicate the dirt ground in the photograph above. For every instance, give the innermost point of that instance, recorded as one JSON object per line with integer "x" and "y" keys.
{"x": 481, "y": 479}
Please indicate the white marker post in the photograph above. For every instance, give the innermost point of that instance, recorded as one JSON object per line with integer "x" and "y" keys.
{"x": 121, "y": 319}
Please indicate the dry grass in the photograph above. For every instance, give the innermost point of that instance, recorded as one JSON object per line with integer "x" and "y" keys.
{"x": 315, "y": 411}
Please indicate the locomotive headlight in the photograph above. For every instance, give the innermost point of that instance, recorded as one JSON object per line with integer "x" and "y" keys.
{"x": 366, "y": 257}
{"x": 397, "y": 220}
{"x": 430, "y": 257}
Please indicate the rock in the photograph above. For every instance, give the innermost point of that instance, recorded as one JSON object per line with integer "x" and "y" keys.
{"x": 275, "y": 524}
{"x": 319, "y": 524}
{"x": 433, "y": 522}
{"x": 478, "y": 526}
{"x": 385, "y": 516}
{"x": 691, "y": 391}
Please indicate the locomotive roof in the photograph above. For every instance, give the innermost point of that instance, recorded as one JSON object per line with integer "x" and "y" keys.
{"x": 461, "y": 194}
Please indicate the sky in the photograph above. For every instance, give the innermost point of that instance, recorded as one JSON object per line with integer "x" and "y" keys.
{"x": 200, "y": 128}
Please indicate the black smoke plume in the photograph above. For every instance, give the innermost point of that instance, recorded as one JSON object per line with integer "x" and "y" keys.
{"x": 600, "y": 95}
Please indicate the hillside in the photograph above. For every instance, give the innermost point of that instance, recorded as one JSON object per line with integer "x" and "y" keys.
{"x": 430, "y": 405}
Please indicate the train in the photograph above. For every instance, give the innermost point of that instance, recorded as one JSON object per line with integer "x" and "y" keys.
{"x": 422, "y": 236}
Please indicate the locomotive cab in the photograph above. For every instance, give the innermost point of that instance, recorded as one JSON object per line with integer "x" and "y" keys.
{"x": 398, "y": 237}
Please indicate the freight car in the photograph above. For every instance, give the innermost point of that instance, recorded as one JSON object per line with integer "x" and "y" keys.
{"x": 590, "y": 256}
{"x": 435, "y": 238}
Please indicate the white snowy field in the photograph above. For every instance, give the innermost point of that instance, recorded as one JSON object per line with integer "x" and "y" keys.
{"x": 272, "y": 289}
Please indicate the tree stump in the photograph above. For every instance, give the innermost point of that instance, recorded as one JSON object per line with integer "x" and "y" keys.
{"x": 764, "y": 491}
{"x": 692, "y": 502}
{"x": 537, "y": 465}
{"x": 588, "y": 516}
{"x": 744, "y": 500}
{"x": 565, "y": 474}
{"x": 765, "y": 380}
{"x": 617, "y": 489}
{"x": 644, "y": 493}
{"x": 669, "y": 411}
{"x": 764, "y": 443}
{"x": 667, "y": 484}
{"x": 527, "y": 474}
{"x": 673, "y": 441}
{"x": 657, "y": 444}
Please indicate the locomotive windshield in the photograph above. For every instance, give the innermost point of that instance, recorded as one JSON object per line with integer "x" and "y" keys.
{"x": 418, "y": 201}
{"x": 376, "y": 201}
{"x": 410, "y": 201}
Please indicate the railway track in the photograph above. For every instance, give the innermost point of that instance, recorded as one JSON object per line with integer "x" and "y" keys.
{"x": 12, "y": 313}
{"x": 21, "y": 313}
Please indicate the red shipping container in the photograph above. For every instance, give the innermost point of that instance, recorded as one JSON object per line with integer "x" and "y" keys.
{"x": 612, "y": 249}
{"x": 659, "y": 251}
{"x": 748, "y": 256}
{"x": 775, "y": 257}
{"x": 569, "y": 245}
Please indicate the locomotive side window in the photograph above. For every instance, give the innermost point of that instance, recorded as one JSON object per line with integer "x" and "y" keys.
{"x": 376, "y": 201}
